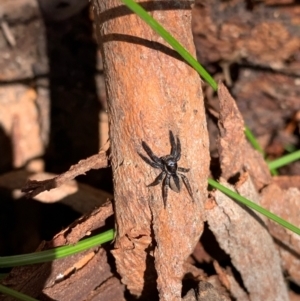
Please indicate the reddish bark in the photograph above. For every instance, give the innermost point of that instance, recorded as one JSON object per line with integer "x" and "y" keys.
{"x": 283, "y": 199}
{"x": 86, "y": 275}
{"x": 236, "y": 154}
{"x": 33, "y": 187}
{"x": 151, "y": 91}
{"x": 229, "y": 222}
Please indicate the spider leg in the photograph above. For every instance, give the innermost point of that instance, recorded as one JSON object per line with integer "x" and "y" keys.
{"x": 158, "y": 179}
{"x": 187, "y": 185}
{"x": 175, "y": 183}
{"x": 183, "y": 169}
{"x": 151, "y": 154}
{"x": 178, "y": 153}
{"x": 175, "y": 148}
{"x": 165, "y": 189}
{"x": 148, "y": 161}
{"x": 173, "y": 144}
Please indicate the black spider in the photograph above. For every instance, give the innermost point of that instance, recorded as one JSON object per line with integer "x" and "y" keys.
{"x": 168, "y": 165}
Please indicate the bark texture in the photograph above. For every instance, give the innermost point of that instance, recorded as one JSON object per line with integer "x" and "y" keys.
{"x": 240, "y": 232}
{"x": 151, "y": 91}
{"x": 242, "y": 235}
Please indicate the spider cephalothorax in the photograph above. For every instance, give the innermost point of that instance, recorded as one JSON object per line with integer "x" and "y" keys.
{"x": 170, "y": 172}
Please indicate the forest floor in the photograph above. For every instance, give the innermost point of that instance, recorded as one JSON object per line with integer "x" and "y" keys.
{"x": 53, "y": 114}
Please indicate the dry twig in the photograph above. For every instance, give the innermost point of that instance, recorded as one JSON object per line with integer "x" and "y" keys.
{"x": 33, "y": 187}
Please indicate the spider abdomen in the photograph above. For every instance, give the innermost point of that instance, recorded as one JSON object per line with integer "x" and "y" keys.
{"x": 175, "y": 184}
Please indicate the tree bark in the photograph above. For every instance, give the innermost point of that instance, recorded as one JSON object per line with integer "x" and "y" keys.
{"x": 150, "y": 92}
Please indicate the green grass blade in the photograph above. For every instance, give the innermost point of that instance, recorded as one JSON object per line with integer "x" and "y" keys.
{"x": 274, "y": 172}
{"x": 185, "y": 55}
{"x": 251, "y": 138}
{"x": 60, "y": 252}
{"x": 290, "y": 148}
{"x": 193, "y": 62}
{"x": 172, "y": 41}
{"x": 284, "y": 160}
{"x": 254, "y": 206}
{"x": 10, "y": 292}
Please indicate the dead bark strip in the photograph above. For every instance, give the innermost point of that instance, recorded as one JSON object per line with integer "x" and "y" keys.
{"x": 245, "y": 238}
{"x": 242, "y": 233}
{"x": 151, "y": 91}
{"x": 83, "y": 276}
{"x": 284, "y": 200}
{"x": 236, "y": 154}
{"x": 33, "y": 187}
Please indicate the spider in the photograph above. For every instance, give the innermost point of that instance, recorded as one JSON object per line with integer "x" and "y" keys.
{"x": 169, "y": 170}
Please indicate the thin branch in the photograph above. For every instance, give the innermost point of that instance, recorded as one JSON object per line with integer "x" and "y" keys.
{"x": 33, "y": 187}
